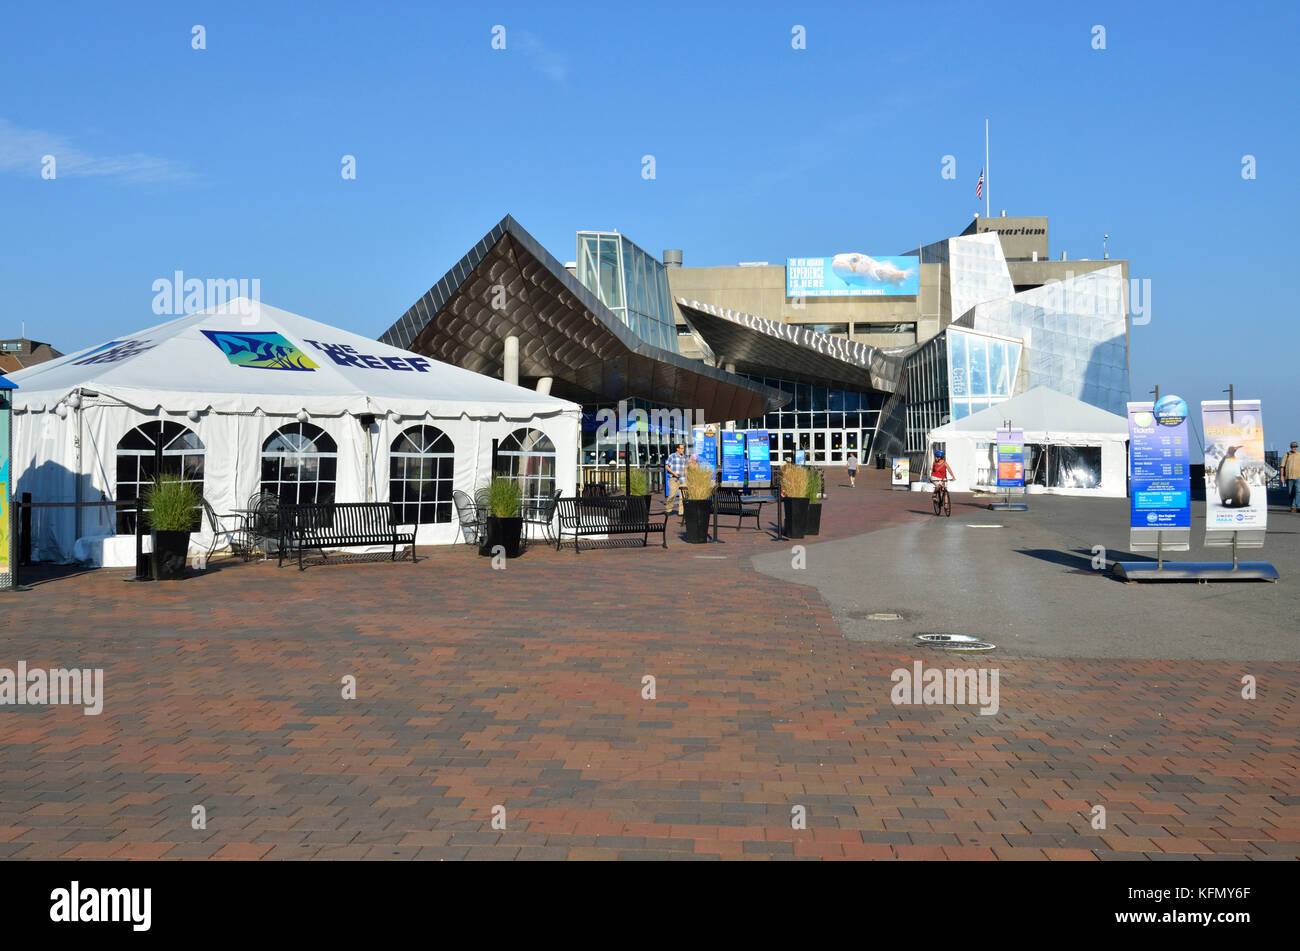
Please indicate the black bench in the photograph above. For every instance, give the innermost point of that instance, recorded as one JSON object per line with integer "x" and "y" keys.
{"x": 612, "y": 515}
{"x": 324, "y": 525}
{"x": 730, "y": 502}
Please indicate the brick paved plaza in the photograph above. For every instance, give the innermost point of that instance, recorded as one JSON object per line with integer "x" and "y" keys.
{"x": 523, "y": 688}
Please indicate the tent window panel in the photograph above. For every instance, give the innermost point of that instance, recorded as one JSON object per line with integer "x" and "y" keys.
{"x": 299, "y": 464}
{"x": 529, "y": 455}
{"x": 420, "y": 476}
{"x": 158, "y": 447}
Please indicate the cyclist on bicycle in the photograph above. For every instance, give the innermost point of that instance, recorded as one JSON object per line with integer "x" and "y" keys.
{"x": 941, "y": 473}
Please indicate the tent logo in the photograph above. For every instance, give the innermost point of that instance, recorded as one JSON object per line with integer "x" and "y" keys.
{"x": 260, "y": 351}
{"x": 113, "y": 351}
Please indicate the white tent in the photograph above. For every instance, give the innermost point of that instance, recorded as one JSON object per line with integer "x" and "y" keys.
{"x": 1071, "y": 447}
{"x": 248, "y": 397}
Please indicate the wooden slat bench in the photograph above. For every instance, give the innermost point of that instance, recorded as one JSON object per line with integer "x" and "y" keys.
{"x": 324, "y": 525}
{"x": 612, "y": 515}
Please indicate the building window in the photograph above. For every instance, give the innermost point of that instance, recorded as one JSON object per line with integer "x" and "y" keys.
{"x": 529, "y": 455}
{"x": 300, "y": 464}
{"x": 420, "y": 475}
{"x": 151, "y": 450}
{"x": 842, "y": 329}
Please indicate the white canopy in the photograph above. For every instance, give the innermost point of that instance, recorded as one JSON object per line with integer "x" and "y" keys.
{"x": 1048, "y": 418}
{"x": 246, "y": 356}
{"x": 249, "y": 398}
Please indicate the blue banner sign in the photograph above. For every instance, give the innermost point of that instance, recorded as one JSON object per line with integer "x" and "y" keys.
{"x": 852, "y": 275}
{"x": 760, "y": 455}
{"x": 704, "y": 448}
{"x": 1161, "y": 485}
{"x": 733, "y": 457}
{"x": 1011, "y": 458}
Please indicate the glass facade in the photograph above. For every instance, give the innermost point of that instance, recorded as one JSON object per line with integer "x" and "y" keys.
{"x": 1075, "y": 333}
{"x": 828, "y": 424}
{"x": 631, "y": 283}
{"x": 955, "y": 374}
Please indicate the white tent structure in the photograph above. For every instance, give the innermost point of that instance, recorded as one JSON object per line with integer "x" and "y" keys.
{"x": 247, "y": 398}
{"x": 1071, "y": 447}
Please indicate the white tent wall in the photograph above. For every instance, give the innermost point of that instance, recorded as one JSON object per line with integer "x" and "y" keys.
{"x": 967, "y": 459}
{"x": 46, "y": 463}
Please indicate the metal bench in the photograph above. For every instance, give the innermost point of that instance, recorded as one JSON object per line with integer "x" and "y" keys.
{"x": 324, "y": 525}
{"x": 731, "y": 502}
{"x": 612, "y": 515}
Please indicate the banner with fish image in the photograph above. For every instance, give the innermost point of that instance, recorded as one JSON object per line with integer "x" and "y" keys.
{"x": 853, "y": 275}
{"x": 1236, "y": 477}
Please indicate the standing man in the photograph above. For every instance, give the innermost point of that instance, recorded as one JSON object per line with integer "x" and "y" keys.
{"x": 853, "y": 470}
{"x": 1291, "y": 476}
{"x": 675, "y": 468}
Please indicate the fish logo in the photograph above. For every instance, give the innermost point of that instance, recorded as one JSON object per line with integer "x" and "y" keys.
{"x": 260, "y": 351}
{"x": 861, "y": 269}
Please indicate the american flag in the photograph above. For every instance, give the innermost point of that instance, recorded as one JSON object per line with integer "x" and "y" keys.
{"x": 979, "y": 186}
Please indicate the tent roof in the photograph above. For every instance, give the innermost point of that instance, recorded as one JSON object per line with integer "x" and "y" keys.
{"x": 247, "y": 356}
{"x": 1040, "y": 410}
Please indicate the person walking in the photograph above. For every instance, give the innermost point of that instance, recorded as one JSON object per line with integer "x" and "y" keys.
{"x": 675, "y": 469}
{"x": 1291, "y": 476}
{"x": 853, "y": 470}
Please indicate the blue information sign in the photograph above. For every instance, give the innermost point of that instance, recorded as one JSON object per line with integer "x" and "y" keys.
{"x": 705, "y": 450}
{"x": 1159, "y": 457}
{"x": 1011, "y": 458}
{"x": 733, "y": 457}
{"x": 760, "y": 457}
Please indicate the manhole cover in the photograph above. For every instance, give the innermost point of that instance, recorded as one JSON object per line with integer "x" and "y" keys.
{"x": 955, "y": 642}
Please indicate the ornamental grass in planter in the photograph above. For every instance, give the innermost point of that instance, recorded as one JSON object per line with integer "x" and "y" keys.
{"x": 794, "y": 485}
{"x": 638, "y": 487}
{"x": 813, "y": 525}
{"x": 504, "y": 499}
{"x": 173, "y": 513}
{"x": 698, "y": 488}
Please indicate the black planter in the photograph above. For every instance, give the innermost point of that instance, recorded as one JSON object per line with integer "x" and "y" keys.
{"x": 505, "y": 532}
{"x": 171, "y": 555}
{"x": 796, "y": 517}
{"x": 697, "y": 520}
{"x": 814, "y": 523}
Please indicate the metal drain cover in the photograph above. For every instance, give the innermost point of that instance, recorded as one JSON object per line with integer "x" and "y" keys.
{"x": 955, "y": 642}
{"x": 884, "y": 616}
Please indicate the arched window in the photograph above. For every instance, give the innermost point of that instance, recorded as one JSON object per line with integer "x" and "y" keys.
{"x": 159, "y": 447}
{"x": 529, "y": 454}
{"x": 419, "y": 475}
{"x": 299, "y": 464}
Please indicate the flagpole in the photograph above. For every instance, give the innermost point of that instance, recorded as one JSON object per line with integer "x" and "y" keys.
{"x": 987, "y": 176}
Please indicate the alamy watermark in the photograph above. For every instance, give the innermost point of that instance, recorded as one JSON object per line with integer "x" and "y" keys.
{"x": 36, "y": 686}
{"x": 178, "y": 295}
{"x": 610, "y": 422}
{"x": 974, "y": 686}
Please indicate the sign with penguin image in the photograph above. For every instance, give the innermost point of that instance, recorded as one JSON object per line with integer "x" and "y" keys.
{"x": 1236, "y": 479}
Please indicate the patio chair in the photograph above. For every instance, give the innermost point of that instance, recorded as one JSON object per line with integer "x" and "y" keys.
{"x": 468, "y": 514}
{"x": 236, "y": 536}
{"x": 542, "y": 514}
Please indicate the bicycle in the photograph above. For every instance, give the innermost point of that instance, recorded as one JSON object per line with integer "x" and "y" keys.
{"x": 941, "y": 499}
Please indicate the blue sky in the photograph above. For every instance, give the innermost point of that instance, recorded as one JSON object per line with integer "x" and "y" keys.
{"x": 226, "y": 162}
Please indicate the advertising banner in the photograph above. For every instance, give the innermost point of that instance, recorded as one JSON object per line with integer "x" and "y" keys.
{"x": 704, "y": 448}
{"x": 733, "y": 458}
{"x": 759, "y": 455}
{"x": 902, "y": 471}
{"x": 852, "y": 275}
{"x": 1160, "y": 471}
{"x": 1236, "y": 493}
{"x": 1011, "y": 459}
{"x": 6, "y": 483}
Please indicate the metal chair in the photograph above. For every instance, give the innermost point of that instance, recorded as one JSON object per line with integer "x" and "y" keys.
{"x": 469, "y": 515}
{"x": 236, "y": 537}
{"x": 263, "y": 522}
{"x": 542, "y": 513}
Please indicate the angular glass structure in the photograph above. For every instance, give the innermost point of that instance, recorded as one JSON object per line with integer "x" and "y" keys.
{"x": 631, "y": 283}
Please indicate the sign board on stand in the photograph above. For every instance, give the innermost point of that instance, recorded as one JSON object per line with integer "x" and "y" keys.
{"x": 1160, "y": 515}
{"x": 704, "y": 447}
{"x": 759, "y": 457}
{"x": 733, "y": 458}
{"x": 902, "y": 474}
{"x": 1236, "y": 481}
{"x": 1009, "y": 458}
{"x": 7, "y": 533}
